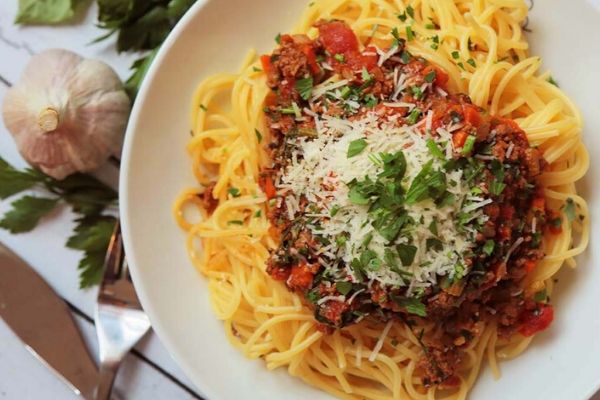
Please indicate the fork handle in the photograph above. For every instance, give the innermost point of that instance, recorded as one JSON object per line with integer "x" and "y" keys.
{"x": 107, "y": 379}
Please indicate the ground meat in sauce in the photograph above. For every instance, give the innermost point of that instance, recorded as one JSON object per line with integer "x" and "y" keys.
{"x": 493, "y": 289}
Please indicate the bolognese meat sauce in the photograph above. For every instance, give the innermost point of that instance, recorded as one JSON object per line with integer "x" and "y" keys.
{"x": 396, "y": 200}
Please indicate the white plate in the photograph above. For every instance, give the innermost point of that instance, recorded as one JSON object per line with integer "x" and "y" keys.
{"x": 563, "y": 363}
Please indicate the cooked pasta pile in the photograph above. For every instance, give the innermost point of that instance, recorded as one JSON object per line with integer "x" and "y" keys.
{"x": 480, "y": 44}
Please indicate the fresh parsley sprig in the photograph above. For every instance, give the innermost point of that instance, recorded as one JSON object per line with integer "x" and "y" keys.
{"x": 89, "y": 198}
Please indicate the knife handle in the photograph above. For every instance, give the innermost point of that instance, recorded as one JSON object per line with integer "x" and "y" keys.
{"x": 107, "y": 379}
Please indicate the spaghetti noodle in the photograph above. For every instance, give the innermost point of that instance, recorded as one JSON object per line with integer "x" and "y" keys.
{"x": 481, "y": 47}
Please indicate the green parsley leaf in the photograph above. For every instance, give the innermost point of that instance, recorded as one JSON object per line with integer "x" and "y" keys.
{"x": 488, "y": 247}
{"x": 256, "y": 69}
{"x": 552, "y": 81}
{"x": 433, "y": 227}
{"x": 410, "y": 11}
{"x": 139, "y": 67}
{"x": 356, "y": 147}
{"x": 405, "y": 57}
{"x": 340, "y": 57}
{"x": 259, "y": 135}
{"x": 278, "y": 38}
{"x": 461, "y": 65}
{"x": 90, "y": 268}
{"x": 407, "y": 253}
{"x": 427, "y": 184}
{"x": 468, "y": 146}
{"x": 334, "y": 210}
{"x": 92, "y": 234}
{"x": 356, "y": 197}
{"x": 446, "y": 199}
{"x": 13, "y": 181}
{"x": 258, "y": 214}
{"x": 366, "y": 77}
{"x": 203, "y": 108}
{"x": 358, "y": 270}
{"x": 304, "y": 87}
{"x": 235, "y": 222}
{"x": 471, "y": 62}
{"x": 370, "y": 100}
{"x": 541, "y": 296}
{"x": 47, "y": 12}
{"x": 429, "y": 26}
{"x": 570, "y": 210}
{"x": 343, "y": 287}
{"x": 235, "y": 192}
{"x": 312, "y": 296}
{"x": 497, "y": 187}
{"x": 402, "y": 17}
{"x": 455, "y": 55}
{"x": 410, "y": 35}
{"x": 411, "y": 305}
{"x": 433, "y": 243}
{"x": 394, "y": 165}
{"x": 434, "y": 149}
{"x": 413, "y": 117}
{"x": 26, "y": 213}
{"x": 417, "y": 92}
{"x": 430, "y": 77}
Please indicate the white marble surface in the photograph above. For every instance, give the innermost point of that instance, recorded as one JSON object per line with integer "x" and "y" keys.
{"x": 150, "y": 373}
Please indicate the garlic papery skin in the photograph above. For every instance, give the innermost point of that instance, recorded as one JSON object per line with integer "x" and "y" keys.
{"x": 67, "y": 114}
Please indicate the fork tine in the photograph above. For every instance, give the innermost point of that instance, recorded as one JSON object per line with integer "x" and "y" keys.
{"x": 114, "y": 255}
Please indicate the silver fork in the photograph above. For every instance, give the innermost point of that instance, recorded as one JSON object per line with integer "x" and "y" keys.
{"x": 120, "y": 320}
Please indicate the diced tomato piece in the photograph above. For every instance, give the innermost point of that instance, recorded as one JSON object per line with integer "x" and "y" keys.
{"x": 265, "y": 60}
{"x": 505, "y": 232}
{"x": 338, "y": 38}
{"x": 536, "y": 320}
{"x": 268, "y": 187}
{"x": 309, "y": 52}
{"x": 530, "y": 265}
{"x": 333, "y": 310}
{"x": 280, "y": 274}
{"x": 459, "y": 138}
{"x": 472, "y": 115}
{"x": 538, "y": 203}
{"x": 301, "y": 277}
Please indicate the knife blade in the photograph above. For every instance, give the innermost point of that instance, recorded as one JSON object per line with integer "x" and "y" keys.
{"x": 35, "y": 313}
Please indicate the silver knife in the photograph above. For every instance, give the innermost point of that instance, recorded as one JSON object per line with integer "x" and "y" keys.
{"x": 43, "y": 322}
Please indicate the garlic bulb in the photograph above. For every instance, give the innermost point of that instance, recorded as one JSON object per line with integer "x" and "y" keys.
{"x": 67, "y": 114}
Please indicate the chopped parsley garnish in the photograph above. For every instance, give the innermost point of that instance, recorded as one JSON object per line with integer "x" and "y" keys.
{"x": 429, "y": 26}
{"x": 411, "y": 305}
{"x": 203, "y": 108}
{"x": 541, "y": 296}
{"x": 405, "y": 57}
{"x": 468, "y": 146}
{"x": 334, "y": 210}
{"x": 366, "y": 77}
{"x": 413, "y": 117}
{"x": 235, "y": 192}
{"x": 488, "y": 247}
{"x": 410, "y": 35}
{"x": 259, "y": 136}
{"x": 407, "y": 253}
{"x": 427, "y": 184}
{"x": 434, "y": 149}
{"x": 304, "y": 87}
{"x": 278, "y": 38}
{"x": 455, "y": 55}
{"x": 256, "y": 69}
{"x": 430, "y": 77}
{"x": 410, "y": 11}
{"x": 236, "y": 222}
{"x": 356, "y": 147}
{"x": 552, "y": 81}
{"x": 471, "y": 62}
{"x": 569, "y": 209}
{"x": 258, "y": 214}
{"x": 497, "y": 187}
{"x": 370, "y": 101}
{"x": 343, "y": 287}
{"x": 340, "y": 57}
